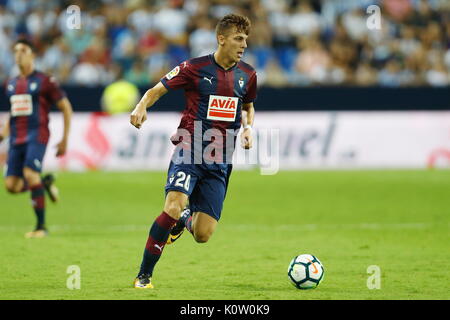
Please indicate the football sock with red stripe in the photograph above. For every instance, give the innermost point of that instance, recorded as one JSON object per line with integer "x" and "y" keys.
{"x": 159, "y": 232}
{"x": 38, "y": 201}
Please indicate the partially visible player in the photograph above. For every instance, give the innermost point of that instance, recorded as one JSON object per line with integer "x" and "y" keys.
{"x": 220, "y": 90}
{"x": 30, "y": 97}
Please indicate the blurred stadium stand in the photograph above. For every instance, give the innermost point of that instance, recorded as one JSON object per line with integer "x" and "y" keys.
{"x": 294, "y": 44}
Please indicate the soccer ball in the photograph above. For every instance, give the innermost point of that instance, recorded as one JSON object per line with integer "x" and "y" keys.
{"x": 305, "y": 271}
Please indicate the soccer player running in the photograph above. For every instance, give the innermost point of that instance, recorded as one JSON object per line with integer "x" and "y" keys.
{"x": 220, "y": 90}
{"x": 30, "y": 96}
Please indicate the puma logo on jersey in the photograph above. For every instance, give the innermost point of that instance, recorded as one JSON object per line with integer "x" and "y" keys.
{"x": 210, "y": 80}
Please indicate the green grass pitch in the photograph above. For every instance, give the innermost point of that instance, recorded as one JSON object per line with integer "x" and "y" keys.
{"x": 396, "y": 220}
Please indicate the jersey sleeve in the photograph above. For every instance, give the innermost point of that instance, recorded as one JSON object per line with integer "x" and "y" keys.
{"x": 178, "y": 78}
{"x": 250, "y": 95}
{"x": 53, "y": 91}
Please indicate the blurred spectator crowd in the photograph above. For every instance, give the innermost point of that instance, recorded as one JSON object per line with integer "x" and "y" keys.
{"x": 292, "y": 42}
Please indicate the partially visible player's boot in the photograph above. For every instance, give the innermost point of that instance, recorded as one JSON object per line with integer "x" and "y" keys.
{"x": 143, "y": 281}
{"x": 37, "y": 233}
{"x": 49, "y": 184}
{"x": 178, "y": 229}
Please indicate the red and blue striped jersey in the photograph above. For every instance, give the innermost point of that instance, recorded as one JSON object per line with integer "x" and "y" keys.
{"x": 30, "y": 99}
{"x": 213, "y": 95}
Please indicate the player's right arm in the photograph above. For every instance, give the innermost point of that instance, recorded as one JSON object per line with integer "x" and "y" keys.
{"x": 4, "y": 132}
{"x": 139, "y": 114}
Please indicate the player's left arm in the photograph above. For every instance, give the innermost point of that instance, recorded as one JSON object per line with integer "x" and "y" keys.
{"x": 248, "y": 115}
{"x": 66, "y": 108}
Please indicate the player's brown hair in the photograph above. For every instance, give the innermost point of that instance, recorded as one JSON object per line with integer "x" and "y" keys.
{"x": 241, "y": 23}
{"x": 26, "y": 42}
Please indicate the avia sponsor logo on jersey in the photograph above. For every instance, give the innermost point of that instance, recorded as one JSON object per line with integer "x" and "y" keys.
{"x": 21, "y": 105}
{"x": 222, "y": 108}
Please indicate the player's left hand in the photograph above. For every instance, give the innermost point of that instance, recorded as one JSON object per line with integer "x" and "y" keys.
{"x": 61, "y": 148}
{"x": 246, "y": 138}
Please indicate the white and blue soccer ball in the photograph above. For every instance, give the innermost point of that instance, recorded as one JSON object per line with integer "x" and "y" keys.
{"x": 305, "y": 271}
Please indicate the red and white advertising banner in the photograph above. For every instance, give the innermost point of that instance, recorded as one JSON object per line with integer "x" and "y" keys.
{"x": 282, "y": 140}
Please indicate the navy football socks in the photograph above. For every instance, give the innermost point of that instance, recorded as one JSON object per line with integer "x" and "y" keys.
{"x": 159, "y": 232}
{"x": 38, "y": 201}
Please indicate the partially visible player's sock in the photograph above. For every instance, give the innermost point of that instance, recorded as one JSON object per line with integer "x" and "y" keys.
{"x": 188, "y": 223}
{"x": 38, "y": 200}
{"x": 159, "y": 232}
{"x": 186, "y": 220}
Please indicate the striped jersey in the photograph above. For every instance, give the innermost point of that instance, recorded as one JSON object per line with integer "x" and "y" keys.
{"x": 30, "y": 99}
{"x": 213, "y": 95}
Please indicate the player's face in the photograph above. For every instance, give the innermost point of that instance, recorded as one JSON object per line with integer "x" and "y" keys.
{"x": 23, "y": 54}
{"x": 234, "y": 44}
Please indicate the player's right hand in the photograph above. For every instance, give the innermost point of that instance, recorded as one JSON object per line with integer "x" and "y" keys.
{"x": 138, "y": 116}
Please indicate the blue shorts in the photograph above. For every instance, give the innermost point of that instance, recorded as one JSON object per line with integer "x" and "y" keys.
{"x": 28, "y": 155}
{"x": 206, "y": 186}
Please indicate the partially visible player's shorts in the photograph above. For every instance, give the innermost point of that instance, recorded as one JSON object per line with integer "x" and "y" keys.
{"x": 28, "y": 155}
{"x": 205, "y": 187}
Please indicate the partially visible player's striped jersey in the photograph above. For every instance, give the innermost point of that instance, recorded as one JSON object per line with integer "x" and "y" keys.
{"x": 30, "y": 99}
{"x": 213, "y": 95}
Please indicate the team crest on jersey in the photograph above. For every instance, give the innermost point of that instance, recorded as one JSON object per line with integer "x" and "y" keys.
{"x": 222, "y": 108}
{"x": 33, "y": 86}
{"x": 241, "y": 82}
{"x": 173, "y": 73}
